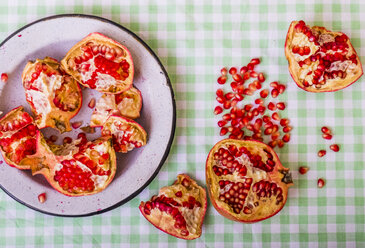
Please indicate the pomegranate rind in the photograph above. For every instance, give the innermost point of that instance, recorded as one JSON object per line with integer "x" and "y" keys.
{"x": 130, "y": 107}
{"x": 54, "y": 117}
{"x": 331, "y": 84}
{"x": 113, "y": 127}
{"x": 100, "y": 39}
{"x": 16, "y": 112}
{"x": 47, "y": 158}
{"x": 163, "y": 220}
{"x": 265, "y": 211}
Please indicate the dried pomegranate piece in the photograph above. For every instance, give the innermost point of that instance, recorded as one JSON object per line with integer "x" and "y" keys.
{"x": 127, "y": 134}
{"x": 127, "y": 104}
{"x": 178, "y": 209}
{"x": 17, "y": 137}
{"x": 246, "y": 181}
{"x": 100, "y": 63}
{"x": 321, "y": 60}
{"x": 53, "y": 96}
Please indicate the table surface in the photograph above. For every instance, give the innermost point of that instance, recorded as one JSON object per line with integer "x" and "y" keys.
{"x": 194, "y": 40}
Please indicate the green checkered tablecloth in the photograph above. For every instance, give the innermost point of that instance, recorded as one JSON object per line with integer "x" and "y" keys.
{"x": 194, "y": 39}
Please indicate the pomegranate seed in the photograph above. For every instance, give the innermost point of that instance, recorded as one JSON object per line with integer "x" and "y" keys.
{"x": 261, "y": 77}
{"x": 4, "y": 77}
{"x": 280, "y": 143}
{"x": 275, "y": 116}
{"x": 321, "y": 153}
{"x": 226, "y": 117}
{"x": 237, "y": 78}
{"x": 274, "y": 93}
{"x": 281, "y": 88}
{"x": 224, "y": 71}
{"x": 247, "y": 107}
{"x": 287, "y": 129}
{"x": 220, "y": 99}
{"x": 326, "y": 130}
{"x": 227, "y": 104}
{"x": 286, "y": 138}
{"x": 280, "y": 105}
{"x": 67, "y": 140}
{"x": 92, "y": 103}
{"x": 327, "y": 136}
{"x": 76, "y": 124}
{"x": 259, "y": 101}
{"x": 303, "y": 170}
{"x": 219, "y": 93}
{"x": 243, "y": 70}
{"x": 274, "y": 85}
{"x": 222, "y": 79}
{"x": 218, "y": 110}
{"x": 271, "y": 106}
{"x": 264, "y": 93}
{"x": 334, "y": 147}
{"x": 229, "y": 95}
{"x": 232, "y": 70}
{"x": 222, "y": 123}
{"x": 224, "y": 131}
{"x": 284, "y": 122}
{"x": 255, "y": 61}
{"x": 253, "y": 74}
{"x": 42, "y": 197}
{"x": 321, "y": 183}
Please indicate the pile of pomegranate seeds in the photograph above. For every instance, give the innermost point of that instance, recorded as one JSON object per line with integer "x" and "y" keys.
{"x": 4, "y": 77}
{"x": 255, "y": 119}
{"x": 327, "y": 134}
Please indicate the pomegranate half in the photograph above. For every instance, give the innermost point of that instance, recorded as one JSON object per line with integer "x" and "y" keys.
{"x": 178, "y": 209}
{"x": 100, "y": 63}
{"x": 321, "y": 60}
{"x": 246, "y": 181}
{"x": 75, "y": 169}
{"x": 127, "y": 134}
{"x": 53, "y": 96}
{"x": 17, "y": 137}
{"x": 127, "y": 104}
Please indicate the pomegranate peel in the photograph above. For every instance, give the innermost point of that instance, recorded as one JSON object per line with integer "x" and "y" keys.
{"x": 178, "y": 209}
{"x": 53, "y": 96}
{"x": 100, "y": 63}
{"x": 321, "y": 60}
{"x": 17, "y": 132}
{"x": 246, "y": 181}
{"x": 127, "y": 134}
{"x": 127, "y": 104}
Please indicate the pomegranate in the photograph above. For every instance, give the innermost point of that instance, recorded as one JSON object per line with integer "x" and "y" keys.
{"x": 100, "y": 63}
{"x": 178, "y": 209}
{"x": 78, "y": 168}
{"x": 54, "y": 97}
{"x": 17, "y": 137}
{"x": 127, "y": 104}
{"x": 246, "y": 181}
{"x": 321, "y": 60}
{"x": 127, "y": 134}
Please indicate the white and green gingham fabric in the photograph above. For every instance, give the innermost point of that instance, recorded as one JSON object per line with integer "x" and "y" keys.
{"x": 194, "y": 40}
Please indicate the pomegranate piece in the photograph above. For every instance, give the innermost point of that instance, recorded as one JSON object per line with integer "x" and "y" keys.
{"x": 53, "y": 96}
{"x": 75, "y": 169}
{"x": 178, "y": 209}
{"x": 303, "y": 170}
{"x": 17, "y": 137}
{"x": 321, "y": 182}
{"x": 100, "y": 63}
{"x": 42, "y": 197}
{"x": 127, "y": 104}
{"x": 127, "y": 134}
{"x": 4, "y": 77}
{"x": 246, "y": 181}
{"x": 334, "y": 147}
{"x": 321, "y": 60}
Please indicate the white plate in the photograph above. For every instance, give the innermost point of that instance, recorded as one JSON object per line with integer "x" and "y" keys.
{"x": 54, "y": 36}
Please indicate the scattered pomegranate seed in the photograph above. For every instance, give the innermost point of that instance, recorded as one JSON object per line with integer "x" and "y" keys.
{"x": 219, "y": 93}
{"x": 334, "y": 147}
{"x": 284, "y": 122}
{"x": 287, "y": 129}
{"x": 303, "y": 170}
{"x": 325, "y": 130}
{"x": 261, "y": 77}
{"x": 67, "y": 140}
{"x": 254, "y": 74}
{"x": 271, "y": 106}
{"x": 224, "y": 71}
{"x": 76, "y": 124}
{"x": 274, "y": 93}
{"x": 222, "y": 80}
{"x": 255, "y": 61}
{"x": 281, "y": 88}
{"x": 92, "y": 103}
{"x": 321, "y": 183}
{"x": 42, "y": 197}
{"x": 218, "y": 110}
{"x": 274, "y": 85}
{"x": 224, "y": 131}
{"x": 259, "y": 101}
{"x": 327, "y": 136}
{"x": 321, "y": 153}
{"x": 243, "y": 70}
{"x": 4, "y": 77}
{"x": 237, "y": 78}
{"x": 286, "y": 138}
{"x": 275, "y": 116}
{"x": 280, "y": 105}
{"x": 232, "y": 70}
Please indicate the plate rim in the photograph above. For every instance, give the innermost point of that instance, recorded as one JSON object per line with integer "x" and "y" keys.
{"x": 173, "y": 127}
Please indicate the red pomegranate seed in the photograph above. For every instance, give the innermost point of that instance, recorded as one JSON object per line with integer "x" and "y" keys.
{"x": 287, "y": 129}
{"x": 326, "y": 130}
{"x": 243, "y": 70}
{"x": 266, "y": 118}
{"x": 255, "y": 61}
{"x": 280, "y": 105}
{"x": 224, "y": 131}
{"x": 76, "y": 124}
{"x": 229, "y": 95}
{"x": 218, "y": 110}
{"x": 237, "y": 78}
{"x": 227, "y": 104}
{"x": 234, "y": 86}
{"x": 321, "y": 183}
{"x": 259, "y": 101}
{"x": 321, "y": 153}
{"x": 275, "y": 116}
{"x": 239, "y": 97}
{"x": 286, "y": 138}
{"x": 222, "y": 79}
{"x": 67, "y": 140}
{"x": 280, "y": 143}
{"x": 261, "y": 77}
{"x": 247, "y": 107}
{"x": 219, "y": 93}
{"x": 303, "y": 169}
{"x": 92, "y": 103}
{"x": 327, "y": 136}
{"x": 220, "y": 99}
{"x": 253, "y": 74}
{"x": 284, "y": 122}
{"x": 334, "y": 147}
{"x": 4, "y": 77}
{"x": 264, "y": 93}
{"x": 275, "y": 136}
{"x": 274, "y": 85}
{"x": 226, "y": 117}
{"x": 246, "y": 76}
{"x": 273, "y": 143}
{"x": 42, "y": 197}
{"x": 271, "y": 106}
{"x": 281, "y": 88}
{"x": 274, "y": 93}
{"x": 224, "y": 71}
{"x": 232, "y": 70}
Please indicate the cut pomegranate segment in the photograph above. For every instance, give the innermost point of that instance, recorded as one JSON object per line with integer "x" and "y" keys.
{"x": 75, "y": 169}
{"x": 17, "y": 137}
{"x": 321, "y": 60}
{"x": 127, "y": 134}
{"x": 53, "y": 96}
{"x": 178, "y": 209}
{"x": 127, "y": 104}
{"x": 100, "y": 63}
{"x": 246, "y": 181}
